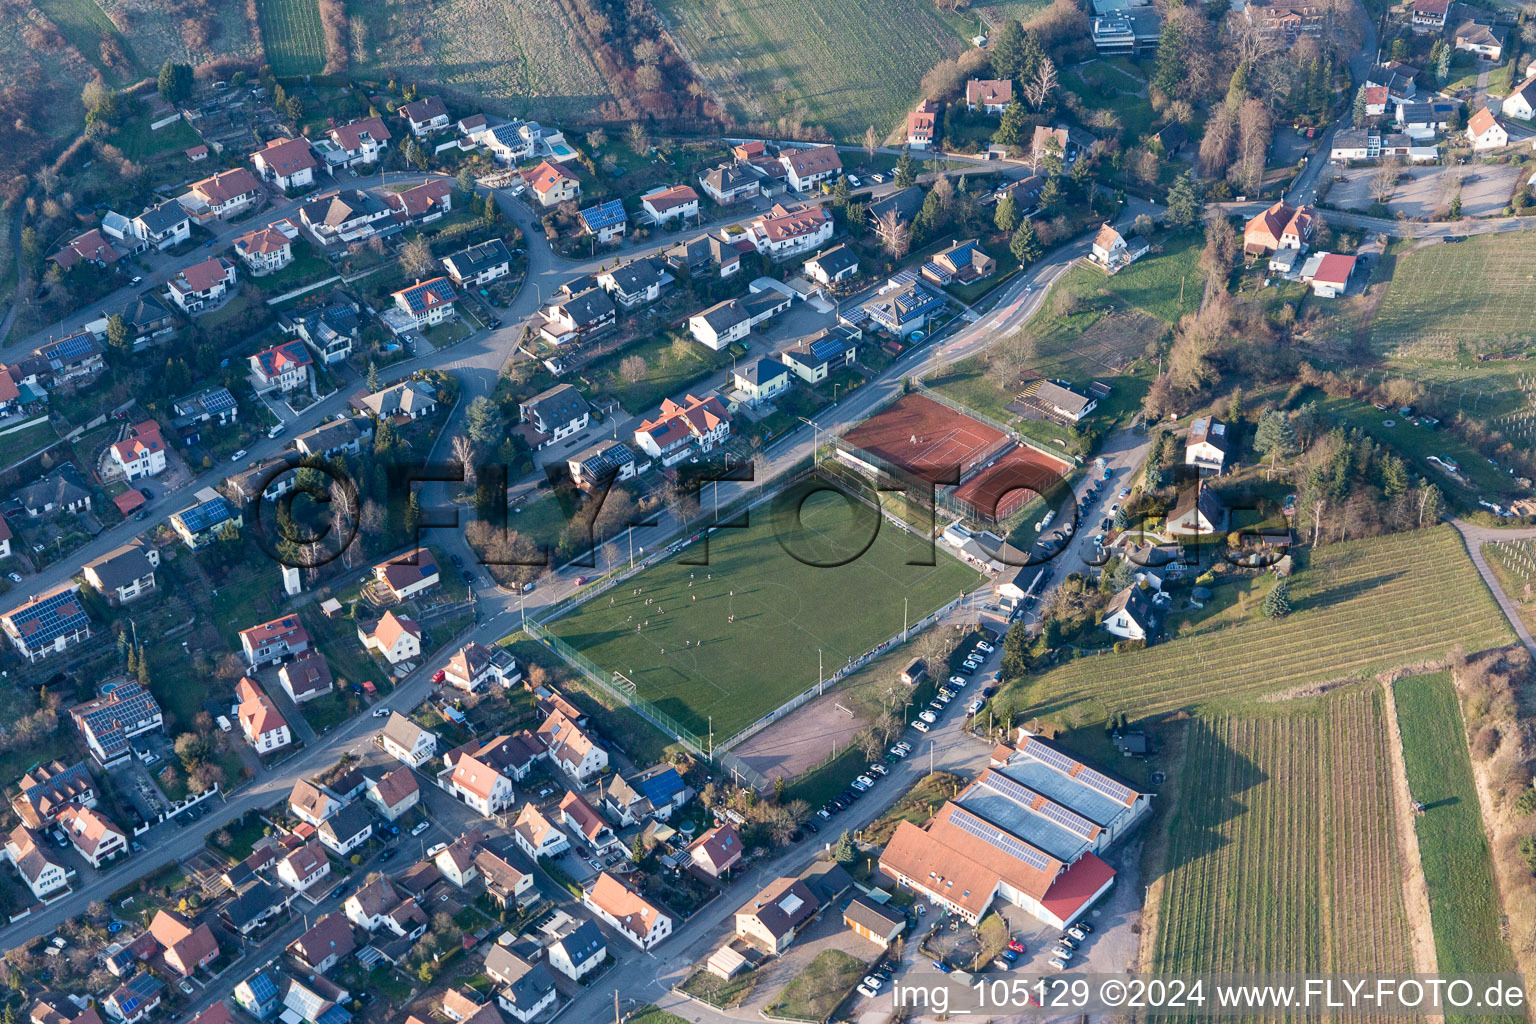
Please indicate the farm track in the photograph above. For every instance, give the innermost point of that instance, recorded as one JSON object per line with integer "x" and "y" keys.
{"x": 1363, "y": 606}
{"x": 1282, "y": 855}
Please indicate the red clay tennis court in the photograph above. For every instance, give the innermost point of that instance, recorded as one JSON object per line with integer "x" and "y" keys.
{"x": 1008, "y": 484}
{"x": 925, "y": 438}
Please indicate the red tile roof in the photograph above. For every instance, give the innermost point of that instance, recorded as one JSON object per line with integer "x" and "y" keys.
{"x": 287, "y": 156}
{"x": 350, "y": 136}
{"x": 546, "y": 176}
{"x": 666, "y": 199}
{"x": 782, "y": 222}
{"x": 200, "y": 277}
{"x": 258, "y": 715}
{"x": 226, "y": 185}
{"x": 262, "y": 241}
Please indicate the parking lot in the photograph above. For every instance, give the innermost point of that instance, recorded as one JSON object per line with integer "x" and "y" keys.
{"x": 1422, "y": 191}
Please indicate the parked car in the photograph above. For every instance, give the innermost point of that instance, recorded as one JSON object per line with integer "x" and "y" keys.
{"x": 920, "y": 726}
{"x": 1084, "y": 926}
{"x": 1001, "y": 964}
{"x": 14, "y": 577}
{"x": 381, "y": 712}
{"x": 1077, "y": 933}
{"x": 1016, "y": 946}
{"x": 957, "y": 680}
{"x": 419, "y": 829}
{"x": 242, "y": 453}
{"x": 929, "y": 717}
{"x": 941, "y": 967}
{"x": 1058, "y": 963}
{"x": 974, "y": 706}
{"x": 984, "y": 647}
{"x": 866, "y": 780}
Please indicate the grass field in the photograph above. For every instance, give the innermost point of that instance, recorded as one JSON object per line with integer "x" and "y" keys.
{"x": 666, "y": 372}
{"x": 1514, "y": 563}
{"x": 87, "y": 26}
{"x": 845, "y": 66}
{"x": 1463, "y": 898}
{"x": 19, "y": 444}
{"x": 820, "y": 988}
{"x": 292, "y": 36}
{"x": 1102, "y": 86}
{"x": 1282, "y": 854}
{"x": 694, "y": 663}
{"x": 1359, "y": 607}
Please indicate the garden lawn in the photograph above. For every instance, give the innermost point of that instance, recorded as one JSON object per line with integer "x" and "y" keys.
{"x": 820, "y": 988}
{"x": 677, "y": 644}
{"x": 18, "y": 444}
{"x": 842, "y": 66}
{"x": 1359, "y": 607}
{"x": 1458, "y": 869}
{"x": 668, "y": 370}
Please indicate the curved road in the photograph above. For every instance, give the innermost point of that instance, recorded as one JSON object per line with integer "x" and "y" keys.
{"x": 1475, "y": 537}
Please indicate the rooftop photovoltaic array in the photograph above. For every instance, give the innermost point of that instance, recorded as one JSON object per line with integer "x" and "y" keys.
{"x": 74, "y": 346}
{"x": 50, "y": 617}
{"x": 1051, "y": 757}
{"x": 1026, "y": 797}
{"x": 604, "y": 215}
{"x": 209, "y": 514}
{"x": 1104, "y": 784}
{"x": 994, "y": 836}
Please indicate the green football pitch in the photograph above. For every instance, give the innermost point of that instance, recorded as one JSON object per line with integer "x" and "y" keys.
{"x": 737, "y": 637}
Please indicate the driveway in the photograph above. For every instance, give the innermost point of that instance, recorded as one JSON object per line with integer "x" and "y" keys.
{"x": 1475, "y": 537}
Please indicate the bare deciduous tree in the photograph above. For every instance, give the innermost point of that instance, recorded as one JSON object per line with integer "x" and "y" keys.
{"x": 1041, "y": 84}
{"x": 416, "y": 257}
{"x": 871, "y": 141}
{"x": 632, "y": 368}
{"x": 895, "y": 234}
{"x": 1384, "y": 181}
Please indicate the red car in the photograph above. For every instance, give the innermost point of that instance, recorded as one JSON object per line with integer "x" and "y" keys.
{"x": 582, "y": 581}
{"x": 439, "y": 676}
{"x": 1016, "y": 945}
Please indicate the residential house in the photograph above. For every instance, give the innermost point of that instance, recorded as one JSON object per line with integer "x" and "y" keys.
{"x": 678, "y": 428}
{"x": 395, "y": 792}
{"x": 287, "y": 163}
{"x": 325, "y": 945}
{"x": 379, "y": 905}
{"x": 892, "y": 215}
{"x": 146, "y": 317}
{"x": 211, "y": 518}
{"x": 56, "y": 493}
{"x": 697, "y": 256}
{"x": 91, "y": 247}
{"x": 922, "y": 125}
{"x": 421, "y": 204}
{"x": 903, "y": 306}
{"x": 785, "y": 232}
{"x": 164, "y": 225}
{"x": 1328, "y": 274}
{"x": 1424, "y": 120}
{"x": 716, "y": 851}
{"x": 1113, "y": 252}
{"x": 1056, "y": 401}
{"x": 732, "y": 320}
{"x": 1282, "y": 226}
{"x": 395, "y": 637}
{"x": 1429, "y": 15}
{"x": 202, "y": 285}
{"x": 273, "y": 641}
{"x": 47, "y": 788}
{"x": 313, "y": 804}
{"x": 832, "y": 265}
{"x": 1285, "y": 21}
{"x": 407, "y": 400}
{"x": 1482, "y": 39}
{"x": 1065, "y": 143}
{"x": 579, "y": 952}
{"x": 404, "y": 739}
{"x": 606, "y": 220}
{"x": 961, "y": 263}
{"x": 505, "y": 883}
{"x": 505, "y": 142}
{"x": 333, "y": 437}
{"x": 44, "y": 875}
{"x": 813, "y": 359}
{"x": 481, "y": 786}
{"x": 92, "y": 834}
{"x": 347, "y": 829}
{"x": 729, "y": 183}
{"x": 266, "y": 480}
{"x": 1207, "y": 445}
{"x": 556, "y": 413}
{"x": 625, "y": 910}
{"x": 806, "y": 167}
{"x": 48, "y": 623}
{"x": 210, "y": 405}
{"x": 511, "y": 755}
{"x": 264, "y": 250}
{"x": 306, "y": 678}
{"x": 537, "y": 836}
{"x": 578, "y": 315}
{"x": 425, "y": 116}
{"x": 109, "y": 722}
{"x": 581, "y": 817}
{"x": 875, "y": 922}
{"x": 989, "y": 95}
{"x": 1197, "y": 512}
{"x": 603, "y": 464}
{"x": 221, "y": 196}
{"x": 475, "y": 666}
{"x": 636, "y": 282}
{"x": 1396, "y": 77}
{"x": 124, "y": 574}
{"x": 331, "y": 329}
{"x": 527, "y": 989}
{"x": 773, "y": 918}
{"x": 263, "y": 725}
{"x": 258, "y": 995}
{"x": 1130, "y": 614}
{"x": 283, "y": 367}
{"x": 71, "y": 358}
{"x": 345, "y": 215}
{"x": 759, "y": 382}
{"x": 305, "y": 866}
{"x": 315, "y": 1001}
{"x": 1485, "y": 132}
{"x": 1521, "y": 102}
{"x": 457, "y": 860}
{"x": 255, "y": 905}
{"x": 135, "y": 999}
{"x": 141, "y": 453}
{"x": 186, "y": 948}
{"x": 552, "y": 184}
{"x": 422, "y": 305}
{"x": 479, "y": 264}
{"x": 676, "y": 202}
{"x": 1354, "y": 144}
{"x": 357, "y": 142}
{"x": 407, "y": 574}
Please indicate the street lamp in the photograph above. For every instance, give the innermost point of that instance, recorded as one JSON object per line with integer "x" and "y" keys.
{"x": 815, "y": 436}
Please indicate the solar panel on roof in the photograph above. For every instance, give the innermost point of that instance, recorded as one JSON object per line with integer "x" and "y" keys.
{"x": 69, "y": 348}
{"x": 53, "y": 616}
{"x": 1026, "y": 797}
{"x": 996, "y": 837}
{"x": 1104, "y": 784}
{"x": 604, "y": 215}
{"x": 209, "y": 514}
{"x": 1051, "y": 757}
{"x": 219, "y": 401}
